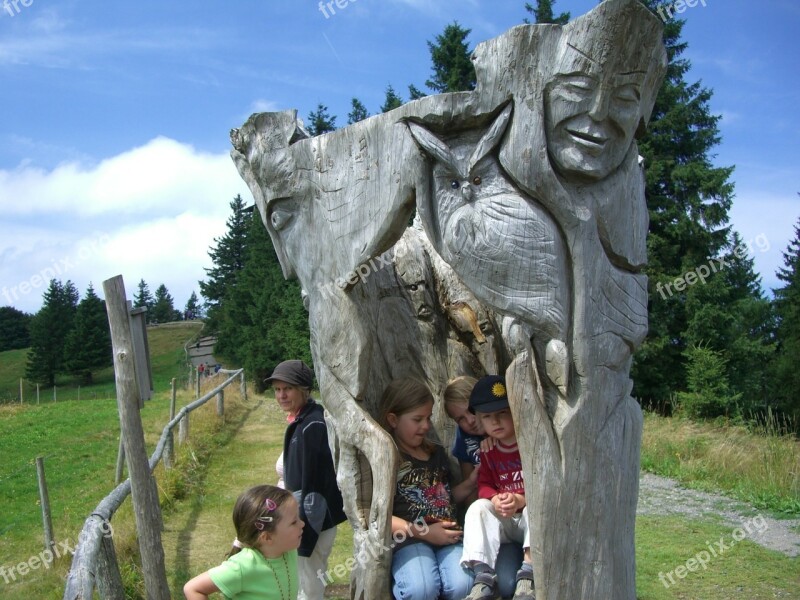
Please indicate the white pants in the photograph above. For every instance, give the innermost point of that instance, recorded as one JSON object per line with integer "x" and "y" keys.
{"x": 484, "y": 531}
{"x": 309, "y": 568}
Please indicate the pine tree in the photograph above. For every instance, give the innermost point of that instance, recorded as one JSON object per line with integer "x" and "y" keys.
{"x": 787, "y": 306}
{"x": 543, "y": 13}
{"x": 453, "y": 70}
{"x": 88, "y": 344}
{"x": 358, "y": 113}
{"x": 264, "y": 319}
{"x": 228, "y": 258}
{"x": 688, "y": 199}
{"x": 163, "y": 306}
{"x": 391, "y": 101}
{"x": 14, "y": 329}
{"x": 415, "y": 93}
{"x": 144, "y": 299}
{"x": 319, "y": 121}
{"x": 49, "y": 330}
{"x": 192, "y": 310}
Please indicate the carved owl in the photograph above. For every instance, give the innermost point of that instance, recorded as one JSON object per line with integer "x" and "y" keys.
{"x": 503, "y": 245}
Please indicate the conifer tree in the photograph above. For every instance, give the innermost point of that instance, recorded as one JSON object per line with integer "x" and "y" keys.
{"x": 264, "y": 318}
{"x": 163, "y": 306}
{"x": 49, "y": 330}
{"x": 391, "y": 101}
{"x": 357, "y": 113}
{"x": 787, "y": 306}
{"x": 88, "y": 344}
{"x": 192, "y": 309}
{"x": 228, "y": 259}
{"x": 144, "y": 299}
{"x": 688, "y": 199}
{"x": 543, "y": 13}
{"x": 319, "y": 121}
{"x": 14, "y": 329}
{"x": 415, "y": 93}
{"x": 453, "y": 70}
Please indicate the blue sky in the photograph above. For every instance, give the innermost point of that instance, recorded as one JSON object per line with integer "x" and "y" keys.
{"x": 115, "y": 116}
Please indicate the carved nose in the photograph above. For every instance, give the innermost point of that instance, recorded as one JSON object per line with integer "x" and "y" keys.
{"x": 466, "y": 192}
{"x": 599, "y": 109}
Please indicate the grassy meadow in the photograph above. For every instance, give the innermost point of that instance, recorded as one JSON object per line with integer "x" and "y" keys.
{"x": 79, "y": 440}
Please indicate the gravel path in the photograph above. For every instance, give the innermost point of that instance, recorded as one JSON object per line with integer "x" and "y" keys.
{"x": 662, "y": 496}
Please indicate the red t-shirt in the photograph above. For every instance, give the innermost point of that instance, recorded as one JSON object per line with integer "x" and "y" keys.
{"x": 500, "y": 471}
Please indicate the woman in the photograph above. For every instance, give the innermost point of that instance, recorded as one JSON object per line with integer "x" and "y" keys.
{"x": 308, "y": 473}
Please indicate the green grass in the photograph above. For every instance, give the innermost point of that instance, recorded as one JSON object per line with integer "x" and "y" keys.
{"x": 79, "y": 441}
{"x": 759, "y": 468}
{"x": 742, "y": 569}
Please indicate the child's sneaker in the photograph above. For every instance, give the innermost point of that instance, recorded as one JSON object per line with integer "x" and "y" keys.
{"x": 484, "y": 588}
{"x": 525, "y": 589}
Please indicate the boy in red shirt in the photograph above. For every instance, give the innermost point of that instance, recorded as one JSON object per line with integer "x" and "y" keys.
{"x": 499, "y": 514}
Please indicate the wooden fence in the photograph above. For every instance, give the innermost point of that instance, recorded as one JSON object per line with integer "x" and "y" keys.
{"x": 95, "y": 563}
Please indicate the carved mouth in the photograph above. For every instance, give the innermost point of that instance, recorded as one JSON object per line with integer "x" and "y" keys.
{"x": 424, "y": 311}
{"x": 587, "y": 139}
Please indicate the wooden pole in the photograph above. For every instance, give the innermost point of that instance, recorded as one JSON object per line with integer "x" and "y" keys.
{"x": 55, "y": 399}
{"x": 197, "y": 386}
{"x": 169, "y": 451}
{"x": 143, "y": 489}
{"x": 44, "y": 499}
{"x": 120, "y": 461}
{"x": 20, "y": 390}
{"x": 183, "y": 429}
{"x": 243, "y": 387}
{"x": 37, "y": 393}
{"x": 220, "y": 403}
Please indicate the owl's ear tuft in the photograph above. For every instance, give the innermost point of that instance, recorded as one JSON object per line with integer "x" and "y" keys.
{"x": 492, "y": 136}
{"x": 435, "y": 147}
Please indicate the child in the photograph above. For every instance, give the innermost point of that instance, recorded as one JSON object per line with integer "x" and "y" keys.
{"x": 469, "y": 430}
{"x": 426, "y": 555}
{"x": 499, "y": 514}
{"x": 262, "y": 565}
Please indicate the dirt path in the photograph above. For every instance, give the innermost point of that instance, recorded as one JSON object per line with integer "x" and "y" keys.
{"x": 662, "y": 496}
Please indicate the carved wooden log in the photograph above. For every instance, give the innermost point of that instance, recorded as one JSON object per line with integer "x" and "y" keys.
{"x": 531, "y": 200}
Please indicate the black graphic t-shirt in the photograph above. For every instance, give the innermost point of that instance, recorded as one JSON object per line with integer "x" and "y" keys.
{"x": 423, "y": 489}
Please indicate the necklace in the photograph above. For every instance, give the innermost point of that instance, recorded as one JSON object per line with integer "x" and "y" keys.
{"x": 290, "y": 595}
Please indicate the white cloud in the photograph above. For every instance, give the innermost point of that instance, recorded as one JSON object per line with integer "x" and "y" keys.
{"x": 150, "y": 213}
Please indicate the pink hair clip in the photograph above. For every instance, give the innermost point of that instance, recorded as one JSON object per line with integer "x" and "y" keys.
{"x": 269, "y": 506}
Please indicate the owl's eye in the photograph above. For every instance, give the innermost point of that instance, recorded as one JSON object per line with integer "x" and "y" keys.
{"x": 280, "y": 218}
{"x": 413, "y": 287}
{"x": 476, "y": 180}
{"x": 455, "y": 184}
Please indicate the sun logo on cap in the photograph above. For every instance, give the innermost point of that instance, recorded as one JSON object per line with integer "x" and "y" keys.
{"x": 498, "y": 390}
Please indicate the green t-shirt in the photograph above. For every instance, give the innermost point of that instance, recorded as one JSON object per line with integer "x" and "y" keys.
{"x": 248, "y": 575}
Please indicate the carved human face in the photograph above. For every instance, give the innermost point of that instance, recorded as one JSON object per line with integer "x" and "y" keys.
{"x": 590, "y": 122}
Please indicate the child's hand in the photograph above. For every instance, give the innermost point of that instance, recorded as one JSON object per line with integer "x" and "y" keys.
{"x": 488, "y": 443}
{"x": 443, "y": 533}
{"x": 505, "y": 503}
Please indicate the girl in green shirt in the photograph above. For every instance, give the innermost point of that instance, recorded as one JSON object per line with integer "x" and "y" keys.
{"x": 262, "y": 564}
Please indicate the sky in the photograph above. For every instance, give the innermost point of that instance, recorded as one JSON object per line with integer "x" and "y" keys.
{"x": 115, "y": 117}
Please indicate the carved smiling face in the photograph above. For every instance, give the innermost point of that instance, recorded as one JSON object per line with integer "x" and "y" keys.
{"x": 590, "y": 122}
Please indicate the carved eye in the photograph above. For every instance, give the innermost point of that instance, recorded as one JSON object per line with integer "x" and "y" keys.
{"x": 455, "y": 184}
{"x": 280, "y": 219}
{"x": 476, "y": 180}
{"x": 413, "y": 287}
{"x": 628, "y": 93}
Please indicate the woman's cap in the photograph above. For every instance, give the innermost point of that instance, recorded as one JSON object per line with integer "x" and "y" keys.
{"x": 294, "y": 372}
{"x": 488, "y": 395}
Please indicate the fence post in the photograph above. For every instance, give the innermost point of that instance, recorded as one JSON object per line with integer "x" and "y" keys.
{"x": 143, "y": 490}
{"x": 243, "y": 386}
{"x": 55, "y": 399}
{"x": 169, "y": 449}
{"x": 197, "y": 386}
{"x": 44, "y": 499}
{"x": 37, "y": 393}
{"x": 108, "y": 578}
{"x": 183, "y": 429}
{"x": 20, "y": 390}
{"x": 220, "y": 403}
